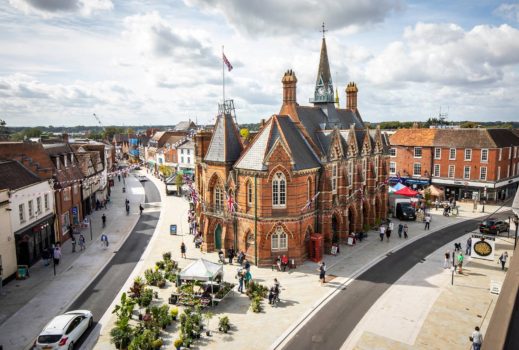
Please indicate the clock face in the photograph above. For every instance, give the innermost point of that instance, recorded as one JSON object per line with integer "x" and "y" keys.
{"x": 320, "y": 90}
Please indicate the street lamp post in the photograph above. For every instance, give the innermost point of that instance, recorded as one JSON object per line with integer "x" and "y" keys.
{"x": 90, "y": 224}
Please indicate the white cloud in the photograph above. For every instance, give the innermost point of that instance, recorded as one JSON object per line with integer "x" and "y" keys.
{"x": 446, "y": 54}
{"x": 52, "y": 8}
{"x": 508, "y": 11}
{"x": 289, "y": 17}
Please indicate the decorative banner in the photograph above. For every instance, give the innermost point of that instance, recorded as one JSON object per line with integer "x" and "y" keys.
{"x": 483, "y": 247}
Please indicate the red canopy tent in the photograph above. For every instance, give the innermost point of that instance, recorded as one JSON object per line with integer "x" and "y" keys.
{"x": 406, "y": 191}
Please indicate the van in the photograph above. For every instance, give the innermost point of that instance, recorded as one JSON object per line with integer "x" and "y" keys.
{"x": 405, "y": 211}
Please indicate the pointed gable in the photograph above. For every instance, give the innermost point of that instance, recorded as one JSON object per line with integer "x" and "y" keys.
{"x": 225, "y": 146}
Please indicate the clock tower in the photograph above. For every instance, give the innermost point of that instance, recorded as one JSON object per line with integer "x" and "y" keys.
{"x": 323, "y": 86}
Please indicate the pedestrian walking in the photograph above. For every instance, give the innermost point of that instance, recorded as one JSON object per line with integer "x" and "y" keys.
{"x": 388, "y": 234}
{"x": 230, "y": 255}
{"x": 427, "y": 222}
{"x": 447, "y": 260}
{"x": 46, "y": 256}
{"x": 104, "y": 240}
{"x": 400, "y": 229}
{"x": 322, "y": 273}
{"x": 183, "y": 250}
{"x": 81, "y": 242}
{"x": 460, "y": 262}
{"x": 73, "y": 241}
{"x": 436, "y": 204}
{"x": 390, "y": 228}
{"x": 119, "y": 177}
{"x": 103, "y": 218}
{"x": 405, "y": 231}
{"x": 382, "y": 232}
{"x": 247, "y": 278}
{"x": 56, "y": 255}
{"x": 246, "y": 264}
{"x": 476, "y": 338}
{"x": 503, "y": 259}
{"x": 140, "y": 209}
{"x": 127, "y": 209}
{"x": 468, "y": 249}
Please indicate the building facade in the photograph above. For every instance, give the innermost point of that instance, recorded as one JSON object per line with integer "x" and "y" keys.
{"x": 469, "y": 164}
{"x": 311, "y": 177}
{"x": 7, "y": 246}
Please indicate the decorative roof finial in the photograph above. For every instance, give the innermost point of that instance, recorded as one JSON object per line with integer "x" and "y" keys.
{"x": 323, "y": 30}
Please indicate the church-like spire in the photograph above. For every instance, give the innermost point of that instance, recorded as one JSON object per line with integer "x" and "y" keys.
{"x": 323, "y": 85}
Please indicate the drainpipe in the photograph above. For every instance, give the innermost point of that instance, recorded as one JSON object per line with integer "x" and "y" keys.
{"x": 256, "y": 219}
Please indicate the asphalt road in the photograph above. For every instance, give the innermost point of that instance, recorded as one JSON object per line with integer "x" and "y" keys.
{"x": 330, "y": 327}
{"x": 98, "y": 296}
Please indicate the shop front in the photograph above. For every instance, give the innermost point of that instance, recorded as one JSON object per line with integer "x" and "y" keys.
{"x": 31, "y": 241}
{"x": 477, "y": 191}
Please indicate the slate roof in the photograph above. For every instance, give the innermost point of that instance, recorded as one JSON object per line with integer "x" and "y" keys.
{"x": 279, "y": 128}
{"x": 324, "y": 66}
{"x": 185, "y": 125}
{"x": 504, "y": 137}
{"x": 225, "y": 146}
{"x": 14, "y": 175}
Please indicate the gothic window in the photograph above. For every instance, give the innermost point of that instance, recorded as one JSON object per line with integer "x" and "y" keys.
{"x": 377, "y": 163}
{"x": 364, "y": 169}
{"x": 308, "y": 189}
{"x": 279, "y": 190}
{"x": 279, "y": 239}
{"x": 249, "y": 193}
{"x": 350, "y": 173}
{"x": 334, "y": 178}
{"x": 218, "y": 199}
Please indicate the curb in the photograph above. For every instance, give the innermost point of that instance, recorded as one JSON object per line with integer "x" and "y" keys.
{"x": 289, "y": 333}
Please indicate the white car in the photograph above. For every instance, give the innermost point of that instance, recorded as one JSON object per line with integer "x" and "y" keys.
{"x": 64, "y": 330}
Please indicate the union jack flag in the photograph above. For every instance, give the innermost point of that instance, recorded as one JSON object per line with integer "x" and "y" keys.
{"x": 227, "y": 63}
{"x": 310, "y": 201}
{"x": 231, "y": 204}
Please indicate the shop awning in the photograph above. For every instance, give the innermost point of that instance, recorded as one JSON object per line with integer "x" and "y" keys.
{"x": 406, "y": 191}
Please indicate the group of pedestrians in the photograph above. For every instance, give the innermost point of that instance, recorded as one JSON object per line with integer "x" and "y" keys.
{"x": 387, "y": 228}
{"x": 243, "y": 275}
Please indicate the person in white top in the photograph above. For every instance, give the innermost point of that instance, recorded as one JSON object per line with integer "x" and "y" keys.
{"x": 427, "y": 221}
{"x": 477, "y": 339}
{"x": 382, "y": 232}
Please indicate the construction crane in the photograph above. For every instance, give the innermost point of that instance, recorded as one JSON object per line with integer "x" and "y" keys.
{"x": 99, "y": 121}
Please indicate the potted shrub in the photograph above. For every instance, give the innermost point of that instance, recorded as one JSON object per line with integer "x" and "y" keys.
{"x": 122, "y": 334}
{"x": 208, "y": 316}
{"x": 161, "y": 284}
{"x": 166, "y": 256}
{"x": 173, "y": 313}
{"x": 160, "y": 265}
{"x": 223, "y": 324}
{"x": 178, "y": 343}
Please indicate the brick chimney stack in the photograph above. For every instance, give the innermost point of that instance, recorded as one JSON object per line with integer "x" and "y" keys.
{"x": 65, "y": 137}
{"x": 351, "y": 96}
{"x": 289, "y": 87}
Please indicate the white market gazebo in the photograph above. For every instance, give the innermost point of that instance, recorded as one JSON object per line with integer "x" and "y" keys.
{"x": 202, "y": 270}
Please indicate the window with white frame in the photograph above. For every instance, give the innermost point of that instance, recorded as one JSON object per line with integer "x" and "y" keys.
{"x": 498, "y": 172}
{"x": 364, "y": 169}
{"x": 483, "y": 173}
{"x": 21, "y": 213}
{"x": 334, "y": 178}
{"x": 350, "y": 173}
{"x": 437, "y": 153}
{"x": 452, "y": 154}
{"x": 46, "y": 201}
{"x": 249, "y": 193}
{"x": 218, "y": 199}
{"x": 279, "y": 188}
{"x": 484, "y": 155}
{"x": 500, "y": 154}
{"x": 392, "y": 168}
{"x": 436, "y": 170}
{"x": 417, "y": 169}
{"x": 392, "y": 152}
{"x": 468, "y": 154}
{"x": 418, "y": 152}
{"x": 38, "y": 205}
{"x": 66, "y": 194}
{"x": 452, "y": 171}
{"x": 31, "y": 208}
{"x": 65, "y": 222}
{"x": 182, "y": 159}
{"x": 466, "y": 172}
{"x": 279, "y": 239}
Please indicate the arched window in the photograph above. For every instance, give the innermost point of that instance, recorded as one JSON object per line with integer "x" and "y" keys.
{"x": 218, "y": 199}
{"x": 364, "y": 169}
{"x": 350, "y": 173}
{"x": 249, "y": 193}
{"x": 279, "y": 239}
{"x": 309, "y": 189}
{"x": 279, "y": 190}
{"x": 334, "y": 178}
{"x": 377, "y": 164}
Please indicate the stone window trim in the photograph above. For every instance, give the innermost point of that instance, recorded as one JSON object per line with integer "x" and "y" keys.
{"x": 279, "y": 191}
{"x": 452, "y": 154}
{"x": 437, "y": 153}
{"x": 484, "y": 155}
{"x": 467, "y": 154}
{"x": 417, "y": 152}
{"x": 279, "y": 239}
{"x": 334, "y": 177}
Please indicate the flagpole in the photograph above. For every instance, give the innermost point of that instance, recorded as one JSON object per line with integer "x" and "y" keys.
{"x": 223, "y": 79}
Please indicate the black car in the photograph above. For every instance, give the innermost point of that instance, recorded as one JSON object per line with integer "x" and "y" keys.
{"x": 405, "y": 211}
{"x": 494, "y": 226}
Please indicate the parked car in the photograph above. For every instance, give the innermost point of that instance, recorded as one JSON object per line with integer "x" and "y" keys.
{"x": 63, "y": 331}
{"x": 405, "y": 211}
{"x": 142, "y": 178}
{"x": 493, "y": 226}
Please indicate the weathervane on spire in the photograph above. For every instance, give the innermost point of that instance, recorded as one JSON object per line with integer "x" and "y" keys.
{"x": 323, "y": 30}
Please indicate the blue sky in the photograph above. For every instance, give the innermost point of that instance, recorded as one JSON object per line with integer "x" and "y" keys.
{"x": 158, "y": 62}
